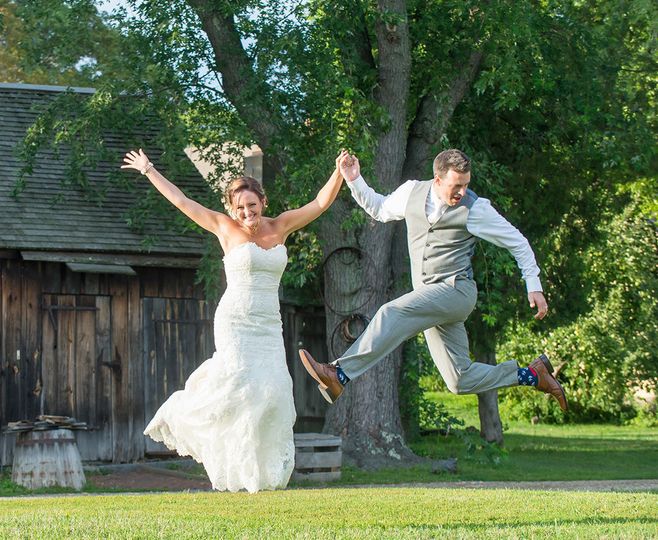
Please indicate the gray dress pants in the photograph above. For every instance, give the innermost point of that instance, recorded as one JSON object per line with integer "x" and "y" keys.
{"x": 439, "y": 310}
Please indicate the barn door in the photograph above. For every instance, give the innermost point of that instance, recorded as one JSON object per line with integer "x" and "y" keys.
{"x": 76, "y": 369}
{"x": 178, "y": 336}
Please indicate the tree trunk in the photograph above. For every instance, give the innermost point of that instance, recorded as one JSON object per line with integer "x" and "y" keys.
{"x": 491, "y": 428}
{"x": 357, "y": 281}
{"x": 368, "y": 415}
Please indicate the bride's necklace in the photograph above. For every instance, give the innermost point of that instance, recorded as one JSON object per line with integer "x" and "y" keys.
{"x": 253, "y": 229}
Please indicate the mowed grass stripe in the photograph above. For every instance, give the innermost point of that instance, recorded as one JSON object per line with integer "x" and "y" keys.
{"x": 337, "y": 513}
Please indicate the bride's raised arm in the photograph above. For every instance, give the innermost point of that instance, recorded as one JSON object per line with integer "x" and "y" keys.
{"x": 290, "y": 221}
{"x": 202, "y": 216}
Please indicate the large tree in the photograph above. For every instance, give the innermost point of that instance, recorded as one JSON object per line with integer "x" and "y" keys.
{"x": 37, "y": 47}
{"x": 395, "y": 81}
{"x": 365, "y": 57}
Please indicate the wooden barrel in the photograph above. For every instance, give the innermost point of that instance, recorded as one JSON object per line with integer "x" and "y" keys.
{"x": 47, "y": 458}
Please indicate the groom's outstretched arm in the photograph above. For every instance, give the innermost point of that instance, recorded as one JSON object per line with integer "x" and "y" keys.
{"x": 380, "y": 207}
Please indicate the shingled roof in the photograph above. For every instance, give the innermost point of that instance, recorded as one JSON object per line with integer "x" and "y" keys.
{"x": 48, "y": 218}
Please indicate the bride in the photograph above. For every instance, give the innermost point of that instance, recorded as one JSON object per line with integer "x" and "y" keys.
{"x": 236, "y": 412}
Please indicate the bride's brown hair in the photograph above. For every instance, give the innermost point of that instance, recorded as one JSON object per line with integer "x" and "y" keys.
{"x": 243, "y": 183}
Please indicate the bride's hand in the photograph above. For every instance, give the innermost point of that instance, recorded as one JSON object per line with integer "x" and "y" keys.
{"x": 134, "y": 160}
{"x": 341, "y": 156}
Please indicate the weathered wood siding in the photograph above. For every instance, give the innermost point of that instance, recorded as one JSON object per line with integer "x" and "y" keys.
{"x": 76, "y": 369}
{"x": 178, "y": 337}
{"x": 71, "y": 344}
{"x": 109, "y": 349}
{"x": 303, "y": 328}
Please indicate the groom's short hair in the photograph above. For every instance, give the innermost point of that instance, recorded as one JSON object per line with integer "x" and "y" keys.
{"x": 451, "y": 159}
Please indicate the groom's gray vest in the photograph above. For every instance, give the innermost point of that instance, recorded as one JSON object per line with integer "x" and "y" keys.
{"x": 442, "y": 251}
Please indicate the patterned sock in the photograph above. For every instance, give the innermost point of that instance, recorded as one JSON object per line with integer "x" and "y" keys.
{"x": 342, "y": 378}
{"x": 527, "y": 376}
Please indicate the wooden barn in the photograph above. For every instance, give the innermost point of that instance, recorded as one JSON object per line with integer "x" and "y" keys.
{"x": 96, "y": 323}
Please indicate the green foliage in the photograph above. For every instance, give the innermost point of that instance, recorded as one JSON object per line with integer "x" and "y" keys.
{"x": 433, "y": 416}
{"x": 304, "y": 257}
{"x": 569, "y": 123}
{"x": 607, "y": 354}
{"x": 79, "y": 125}
{"x": 579, "y": 125}
{"x": 480, "y": 450}
{"x": 422, "y": 414}
{"x": 417, "y": 365}
{"x": 647, "y": 416}
{"x": 37, "y": 44}
{"x": 9, "y": 489}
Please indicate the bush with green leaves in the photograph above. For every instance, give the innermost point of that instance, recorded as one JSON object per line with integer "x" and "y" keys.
{"x": 605, "y": 355}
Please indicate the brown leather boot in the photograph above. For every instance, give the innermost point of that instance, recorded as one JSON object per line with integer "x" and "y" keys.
{"x": 546, "y": 382}
{"x": 325, "y": 374}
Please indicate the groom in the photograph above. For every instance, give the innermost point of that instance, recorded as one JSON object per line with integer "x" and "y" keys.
{"x": 444, "y": 220}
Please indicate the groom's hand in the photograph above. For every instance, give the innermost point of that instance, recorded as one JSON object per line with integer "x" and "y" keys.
{"x": 349, "y": 167}
{"x": 536, "y": 299}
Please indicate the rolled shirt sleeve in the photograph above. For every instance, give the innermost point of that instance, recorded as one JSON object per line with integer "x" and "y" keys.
{"x": 486, "y": 223}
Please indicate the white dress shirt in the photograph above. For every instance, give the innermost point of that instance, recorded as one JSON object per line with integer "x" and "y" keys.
{"x": 483, "y": 221}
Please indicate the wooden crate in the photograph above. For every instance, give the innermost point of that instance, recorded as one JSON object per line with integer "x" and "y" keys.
{"x": 318, "y": 457}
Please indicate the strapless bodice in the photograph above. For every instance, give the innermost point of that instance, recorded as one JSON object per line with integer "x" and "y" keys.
{"x": 249, "y": 266}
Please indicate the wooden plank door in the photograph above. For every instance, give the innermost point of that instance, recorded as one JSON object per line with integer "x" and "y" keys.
{"x": 177, "y": 338}
{"x": 304, "y": 328}
{"x": 76, "y": 369}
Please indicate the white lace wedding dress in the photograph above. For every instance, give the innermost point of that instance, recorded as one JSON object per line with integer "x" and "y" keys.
{"x": 236, "y": 412}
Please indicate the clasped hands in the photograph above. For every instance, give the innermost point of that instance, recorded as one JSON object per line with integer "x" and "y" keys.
{"x": 348, "y": 165}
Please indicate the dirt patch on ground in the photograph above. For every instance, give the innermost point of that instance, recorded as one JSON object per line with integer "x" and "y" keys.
{"x": 145, "y": 478}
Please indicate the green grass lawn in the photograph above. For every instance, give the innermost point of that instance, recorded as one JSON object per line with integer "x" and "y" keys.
{"x": 552, "y": 452}
{"x": 398, "y": 513}
{"x": 532, "y": 452}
